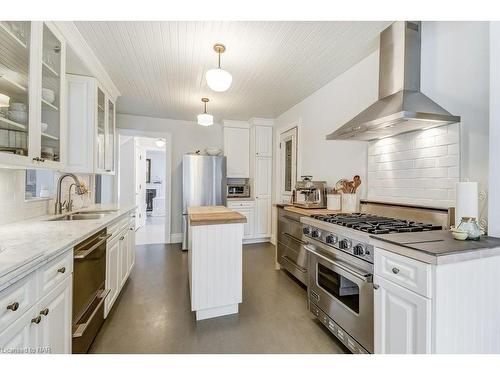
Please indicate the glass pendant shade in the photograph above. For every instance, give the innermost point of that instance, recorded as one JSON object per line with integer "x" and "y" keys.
{"x": 204, "y": 119}
{"x": 218, "y": 79}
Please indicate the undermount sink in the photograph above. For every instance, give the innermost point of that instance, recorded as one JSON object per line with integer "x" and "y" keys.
{"x": 95, "y": 212}
{"x": 79, "y": 216}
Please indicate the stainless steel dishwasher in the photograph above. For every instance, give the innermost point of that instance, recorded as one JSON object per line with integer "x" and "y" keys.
{"x": 89, "y": 293}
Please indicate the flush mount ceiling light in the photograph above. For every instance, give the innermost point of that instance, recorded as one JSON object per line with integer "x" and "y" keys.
{"x": 160, "y": 142}
{"x": 204, "y": 119}
{"x": 218, "y": 79}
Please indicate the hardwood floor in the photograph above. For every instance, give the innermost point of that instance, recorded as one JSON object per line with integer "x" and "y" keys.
{"x": 153, "y": 315}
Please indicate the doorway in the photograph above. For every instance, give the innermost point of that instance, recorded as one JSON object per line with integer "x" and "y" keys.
{"x": 144, "y": 180}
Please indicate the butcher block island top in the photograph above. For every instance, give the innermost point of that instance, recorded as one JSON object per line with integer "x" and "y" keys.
{"x": 310, "y": 211}
{"x": 211, "y": 215}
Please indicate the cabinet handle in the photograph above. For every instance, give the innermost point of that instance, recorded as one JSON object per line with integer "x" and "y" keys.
{"x": 36, "y": 320}
{"x": 13, "y": 306}
{"x": 45, "y": 311}
{"x": 61, "y": 270}
{"x": 376, "y": 286}
{"x": 122, "y": 238}
{"x": 395, "y": 270}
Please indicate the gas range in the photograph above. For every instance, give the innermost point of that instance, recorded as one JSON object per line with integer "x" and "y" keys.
{"x": 350, "y": 232}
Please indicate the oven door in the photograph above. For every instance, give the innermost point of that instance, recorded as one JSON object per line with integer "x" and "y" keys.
{"x": 344, "y": 292}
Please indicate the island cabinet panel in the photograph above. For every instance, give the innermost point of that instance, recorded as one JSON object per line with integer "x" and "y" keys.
{"x": 215, "y": 269}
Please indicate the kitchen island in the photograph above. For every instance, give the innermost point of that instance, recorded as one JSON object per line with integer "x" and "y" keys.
{"x": 215, "y": 244}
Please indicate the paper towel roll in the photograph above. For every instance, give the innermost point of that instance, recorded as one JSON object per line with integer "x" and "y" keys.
{"x": 466, "y": 200}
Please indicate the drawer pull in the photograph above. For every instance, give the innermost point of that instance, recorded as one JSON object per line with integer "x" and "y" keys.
{"x": 13, "y": 306}
{"x": 61, "y": 270}
{"x": 45, "y": 311}
{"x": 122, "y": 238}
{"x": 36, "y": 320}
{"x": 376, "y": 286}
{"x": 395, "y": 270}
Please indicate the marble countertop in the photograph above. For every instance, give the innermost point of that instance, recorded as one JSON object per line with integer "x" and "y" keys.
{"x": 437, "y": 247}
{"x": 209, "y": 215}
{"x": 26, "y": 244}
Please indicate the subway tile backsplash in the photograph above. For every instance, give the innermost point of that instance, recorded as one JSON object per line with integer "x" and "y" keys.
{"x": 415, "y": 168}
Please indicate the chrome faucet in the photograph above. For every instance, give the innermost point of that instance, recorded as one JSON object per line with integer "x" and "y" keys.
{"x": 78, "y": 190}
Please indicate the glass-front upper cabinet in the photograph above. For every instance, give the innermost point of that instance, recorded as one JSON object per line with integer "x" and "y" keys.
{"x": 101, "y": 130}
{"x": 15, "y": 56}
{"x": 110, "y": 151}
{"x": 51, "y": 123}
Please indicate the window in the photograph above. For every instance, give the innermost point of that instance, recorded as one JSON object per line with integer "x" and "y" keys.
{"x": 39, "y": 184}
{"x": 288, "y": 163}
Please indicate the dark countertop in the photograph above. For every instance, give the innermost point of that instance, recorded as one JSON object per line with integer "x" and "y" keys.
{"x": 440, "y": 243}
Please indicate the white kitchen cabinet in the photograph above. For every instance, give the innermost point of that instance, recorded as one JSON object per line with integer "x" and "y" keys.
{"x": 131, "y": 246}
{"x": 112, "y": 273}
{"x": 33, "y": 74}
{"x": 55, "y": 310}
{"x": 264, "y": 141}
{"x": 237, "y": 151}
{"x": 20, "y": 336}
{"x": 91, "y": 127}
{"x": 124, "y": 256}
{"x": 402, "y": 320}
{"x": 247, "y": 209}
{"x": 263, "y": 194}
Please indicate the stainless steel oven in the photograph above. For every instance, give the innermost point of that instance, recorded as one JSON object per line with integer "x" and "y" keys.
{"x": 341, "y": 286}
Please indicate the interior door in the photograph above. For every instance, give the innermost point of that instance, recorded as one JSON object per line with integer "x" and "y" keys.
{"x": 288, "y": 163}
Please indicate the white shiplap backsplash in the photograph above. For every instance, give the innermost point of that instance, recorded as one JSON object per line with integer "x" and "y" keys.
{"x": 416, "y": 168}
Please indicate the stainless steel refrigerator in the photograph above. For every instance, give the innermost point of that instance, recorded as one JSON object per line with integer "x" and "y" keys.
{"x": 203, "y": 184}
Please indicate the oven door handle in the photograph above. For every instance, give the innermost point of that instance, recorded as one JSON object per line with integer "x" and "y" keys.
{"x": 293, "y": 238}
{"x": 82, "y": 254}
{"x": 349, "y": 270}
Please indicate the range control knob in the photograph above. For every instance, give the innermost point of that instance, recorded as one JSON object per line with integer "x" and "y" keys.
{"x": 306, "y": 230}
{"x": 359, "y": 249}
{"x": 331, "y": 239}
{"x": 315, "y": 233}
{"x": 345, "y": 244}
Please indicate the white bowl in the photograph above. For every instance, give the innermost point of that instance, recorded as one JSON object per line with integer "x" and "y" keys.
{"x": 44, "y": 126}
{"x": 48, "y": 95}
{"x": 21, "y": 107}
{"x": 213, "y": 151}
{"x": 18, "y": 116}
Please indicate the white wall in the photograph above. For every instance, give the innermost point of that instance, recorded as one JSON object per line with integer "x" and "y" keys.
{"x": 324, "y": 111}
{"x": 187, "y": 136}
{"x": 455, "y": 73}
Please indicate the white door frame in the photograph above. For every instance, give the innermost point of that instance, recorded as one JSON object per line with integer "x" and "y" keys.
{"x": 296, "y": 124}
{"x": 168, "y": 171}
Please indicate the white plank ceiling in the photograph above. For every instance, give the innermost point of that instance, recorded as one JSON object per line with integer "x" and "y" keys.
{"x": 159, "y": 67}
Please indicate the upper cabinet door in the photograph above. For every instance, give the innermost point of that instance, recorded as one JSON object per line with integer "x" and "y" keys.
{"x": 101, "y": 131}
{"x": 16, "y": 73}
{"x": 51, "y": 128}
{"x": 237, "y": 151}
{"x": 264, "y": 141}
{"x": 110, "y": 149}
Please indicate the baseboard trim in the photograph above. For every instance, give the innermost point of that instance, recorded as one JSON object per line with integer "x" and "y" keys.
{"x": 176, "y": 238}
{"x": 249, "y": 241}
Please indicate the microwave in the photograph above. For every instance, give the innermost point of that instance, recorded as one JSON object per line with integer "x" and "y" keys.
{"x": 238, "y": 191}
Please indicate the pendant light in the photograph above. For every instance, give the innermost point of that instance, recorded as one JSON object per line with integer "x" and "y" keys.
{"x": 218, "y": 79}
{"x": 204, "y": 119}
{"x": 160, "y": 142}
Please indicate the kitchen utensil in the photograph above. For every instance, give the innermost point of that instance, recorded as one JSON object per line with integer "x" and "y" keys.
{"x": 357, "y": 183}
{"x": 213, "y": 151}
{"x": 20, "y": 117}
{"x": 48, "y": 95}
{"x": 44, "y": 126}
{"x": 18, "y": 107}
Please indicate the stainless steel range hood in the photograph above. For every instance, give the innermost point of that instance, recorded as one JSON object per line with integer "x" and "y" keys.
{"x": 401, "y": 107}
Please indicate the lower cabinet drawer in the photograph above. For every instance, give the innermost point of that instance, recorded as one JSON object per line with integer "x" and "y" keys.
{"x": 409, "y": 273}
{"x": 49, "y": 275}
{"x": 17, "y": 299}
{"x": 293, "y": 261}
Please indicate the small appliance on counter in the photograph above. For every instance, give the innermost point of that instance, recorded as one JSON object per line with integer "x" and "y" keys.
{"x": 238, "y": 190}
{"x": 309, "y": 193}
